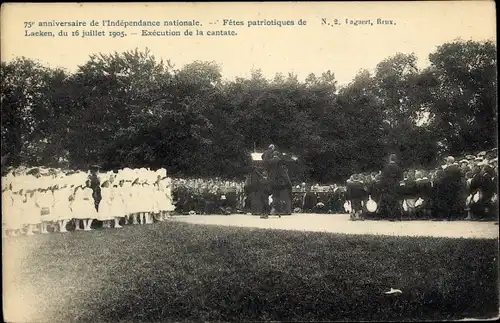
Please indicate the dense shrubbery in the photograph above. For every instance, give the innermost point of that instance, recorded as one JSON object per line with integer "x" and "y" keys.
{"x": 128, "y": 109}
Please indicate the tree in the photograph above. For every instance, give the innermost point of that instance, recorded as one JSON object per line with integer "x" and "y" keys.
{"x": 29, "y": 114}
{"x": 463, "y": 104}
{"x": 131, "y": 110}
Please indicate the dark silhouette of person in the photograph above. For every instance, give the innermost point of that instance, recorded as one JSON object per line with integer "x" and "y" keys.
{"x": 95, "y": 185}
{"x": 392, "y": 175}
{"x": 452, "y": 190}
{"x": 256, "y": 190}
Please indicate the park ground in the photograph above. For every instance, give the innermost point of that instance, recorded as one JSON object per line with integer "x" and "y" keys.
{"x": 228, "y": 268}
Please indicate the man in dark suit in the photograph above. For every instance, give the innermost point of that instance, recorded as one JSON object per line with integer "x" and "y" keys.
{"x": 256, "y": 190}
{"x": 95, "y": 185}
{"x": 280, "y": 184}
{"x": 356, "y": 194}
{"x": 452, "y": 190}
{"x": 390, "y": 199}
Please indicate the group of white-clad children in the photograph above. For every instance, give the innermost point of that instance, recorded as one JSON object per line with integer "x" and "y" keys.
{"x": 34, "y": 203}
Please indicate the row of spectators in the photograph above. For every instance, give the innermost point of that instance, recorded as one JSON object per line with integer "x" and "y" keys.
{"x": 457, "y": 190}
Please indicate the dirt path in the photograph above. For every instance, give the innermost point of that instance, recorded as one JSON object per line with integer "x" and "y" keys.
{"x": 342, "y": 224}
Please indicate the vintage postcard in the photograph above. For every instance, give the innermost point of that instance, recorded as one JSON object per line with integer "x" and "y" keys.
{"x": 249, "y": 161}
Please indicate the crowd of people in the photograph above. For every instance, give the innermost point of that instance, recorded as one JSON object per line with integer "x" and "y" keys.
{"x": 464, "y": 189}
{"x": 48, "y": 200}
{"x": 41, "y": 200}
{"x": 208, "y": 196}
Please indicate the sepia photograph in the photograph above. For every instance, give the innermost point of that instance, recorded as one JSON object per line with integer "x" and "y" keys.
{"x": 249, "y": 161}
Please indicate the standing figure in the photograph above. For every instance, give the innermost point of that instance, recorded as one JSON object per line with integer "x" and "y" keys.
{"x": 148, "y": 196}
{"x": 10, "y": 213}
{"x": 280, "y": 184}
{"x": 83, "y": 207}
{"x": 117, "y": 205}
{"x": 356, "y": 194}
{"x": 134, "y": 205}
{"x": 125, "y": 194}
{"x": 452, "y": 191}
{"x": 391, "y": 177}
{"x": 45, "y": 201}
{"x": 282, "y": 191}
{"x": 62, "y": 210}
{"x": 105, "y": 210}
{"x": 31, "y": 212}
{"x": 95, "y": 185}
{"x": 257, "y": 194}
{"x": 485, "y": 188}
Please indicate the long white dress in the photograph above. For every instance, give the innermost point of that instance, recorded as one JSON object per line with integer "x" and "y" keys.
{"x": 6, "y": 206}
{"x": 18, "y": 219}
{"x": 83, "y": 205}
{"x": 105, "y": 207}
{"x": 62, "y": 210}
{"x": 117, "y": 206}
{"x": 147, "y": 198}
{"x": 135, "y": 203}
{"x": 124, "y": 192}
{"x": 31, "y": 210}
{"x": 9, "y": 210}
{"x": 45, "y": 201}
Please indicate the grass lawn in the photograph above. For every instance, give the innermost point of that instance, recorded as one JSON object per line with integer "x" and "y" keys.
{"x": 184, "y": 272}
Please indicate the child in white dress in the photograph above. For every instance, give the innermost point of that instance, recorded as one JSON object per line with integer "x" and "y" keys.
{"x": 134, "y": 205}
{"x": 161, "y": 198}
{"x": 117, "y": 207}
{"x": 17, "y": 219}
{"x": 89, "y": 207}
{"x": 124, "y": 192}
{"x": 45, "y": 201}
{"x": 8, "y": 213}
{"x": 147, "y": 201}
{"x": 105, "y": 212}
{"x": 31, "y": 212}
{"x": 62, "y": 210}
{"x": 84, "y": 208}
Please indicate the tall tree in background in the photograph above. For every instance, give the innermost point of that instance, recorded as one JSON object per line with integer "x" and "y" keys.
{"x": 30, "y": 111}
{"x": 131, "y": 110}
{"x": 361, "y": 136}
{"x": 463, "y": 102}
